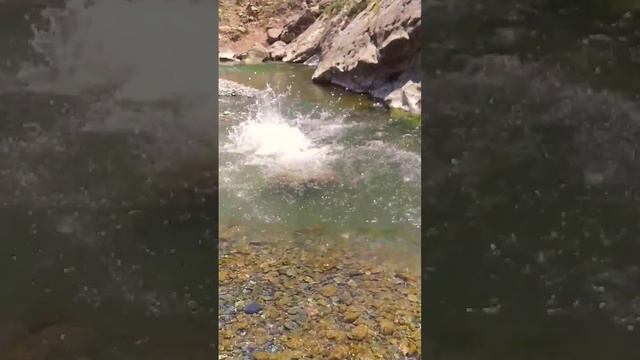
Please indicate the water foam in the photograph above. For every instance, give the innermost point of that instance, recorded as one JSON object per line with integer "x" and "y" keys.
{"x": 276, "y": 142}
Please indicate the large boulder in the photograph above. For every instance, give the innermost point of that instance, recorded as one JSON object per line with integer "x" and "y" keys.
{"x": 308, "y": 43}
{"x": 408, "y": 97}
{"x": 403, "y": 93}
{"x": 226, "y": 56}
{"x": 373, "y": 52}
{"x": 273, "y": 34}
{"x": 256, "y": 55}
{"x": 321, "y": 33}
{"x": 277, "y": 50}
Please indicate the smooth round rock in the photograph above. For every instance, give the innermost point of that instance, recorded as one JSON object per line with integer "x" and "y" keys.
{"x": 252, "y": 308}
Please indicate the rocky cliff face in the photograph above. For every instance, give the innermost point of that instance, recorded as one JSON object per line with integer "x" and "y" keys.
{"x": 367, "y": 46}
{"x": 370, "y": 46}
{"x": 378, "y": 52}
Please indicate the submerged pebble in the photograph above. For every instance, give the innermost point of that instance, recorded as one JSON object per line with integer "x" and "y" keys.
{"x": 252, "y": 308}
{"x": 337, "y": 306}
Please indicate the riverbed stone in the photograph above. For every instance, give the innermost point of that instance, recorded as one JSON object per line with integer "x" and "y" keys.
{"x": 329, "y": 290}
{"x": 351, "y": 316}
{"x": 308, "y": 321}
{"x": 359, "y": 332}
{"x": 386, "y": 327}
{"x": 252, "y": 308}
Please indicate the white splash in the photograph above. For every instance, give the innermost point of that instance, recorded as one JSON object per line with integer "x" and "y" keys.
{"x": 280, "y": 145}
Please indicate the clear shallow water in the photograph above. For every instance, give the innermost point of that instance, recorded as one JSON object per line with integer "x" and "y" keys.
{"x": 531, "y": 199}
{"x": 318, "y": 165}
{"x": 107, "y": 175}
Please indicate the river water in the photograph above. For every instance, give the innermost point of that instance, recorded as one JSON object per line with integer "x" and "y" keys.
{"x": 314, "y": 165}
{"x": 531, "y": 194}
{"x": 108, "y": 197}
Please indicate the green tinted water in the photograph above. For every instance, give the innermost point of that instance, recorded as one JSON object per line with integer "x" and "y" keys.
{"x": 366, "y": 168}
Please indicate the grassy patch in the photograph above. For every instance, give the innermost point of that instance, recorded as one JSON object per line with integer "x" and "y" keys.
{"x": 376, "y": 6}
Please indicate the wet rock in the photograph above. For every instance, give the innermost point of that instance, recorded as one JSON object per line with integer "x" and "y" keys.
{"x": 308, "y": 321}
{"x": 314, "y": 60}
{"x": 406, "y": 95}
{"x": 334, "y": 335}
{"x": 345, "y": 297}
{"x": 290, "y": 325}
{"x": 351, "y": 315}
{"x": 339, "y": 353}
{"x": 359, "y": 332}
{"x": 386, "y": 327}
{"x": 329, "y": 290}
{"x": 252, "y": 308}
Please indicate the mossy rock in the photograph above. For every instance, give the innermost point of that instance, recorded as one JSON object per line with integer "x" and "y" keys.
{"x": 403, "y": 116}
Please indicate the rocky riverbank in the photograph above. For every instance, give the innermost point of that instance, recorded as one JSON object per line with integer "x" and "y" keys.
{"x": 366, "y": 46}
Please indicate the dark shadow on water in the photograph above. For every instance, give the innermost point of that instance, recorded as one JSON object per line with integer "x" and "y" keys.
{"x": 107, "y": 220}
{"x": 531, "y": 200}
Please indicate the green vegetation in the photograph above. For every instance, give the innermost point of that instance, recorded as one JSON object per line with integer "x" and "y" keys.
{"x": 376, "y": 6}
{"x": 406, "y": 117}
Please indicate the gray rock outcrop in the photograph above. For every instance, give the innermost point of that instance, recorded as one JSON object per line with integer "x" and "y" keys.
{"x": 277, "y": 50}
{"x": 255, "y": 55}
{"x": 369, "y": 47}
{"x": 273, "y": 34}
{"x": 378, "y": 53}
